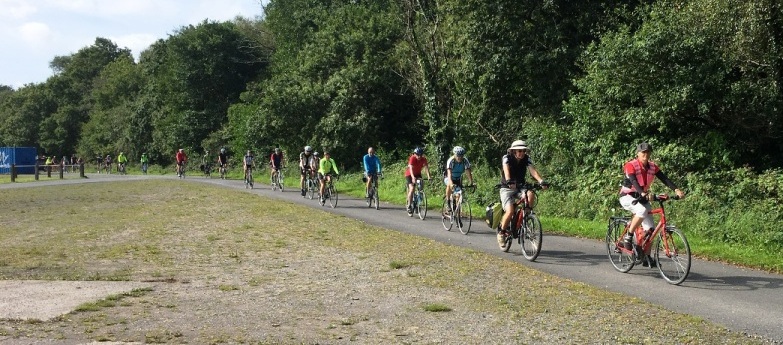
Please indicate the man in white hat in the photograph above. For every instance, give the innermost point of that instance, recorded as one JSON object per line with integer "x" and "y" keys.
{"x": 516, "y": 164}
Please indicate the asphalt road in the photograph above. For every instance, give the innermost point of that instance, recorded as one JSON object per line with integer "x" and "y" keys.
{"x": 740, "y": 299}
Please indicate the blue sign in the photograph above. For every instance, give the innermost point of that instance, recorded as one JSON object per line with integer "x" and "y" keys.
{"x": 23, "y": 157}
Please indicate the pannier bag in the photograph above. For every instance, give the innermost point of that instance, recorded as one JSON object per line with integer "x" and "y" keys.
{"x": 494, "y": 214}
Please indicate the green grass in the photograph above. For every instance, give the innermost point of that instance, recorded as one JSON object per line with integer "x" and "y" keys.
{"x": 436, "y": 308}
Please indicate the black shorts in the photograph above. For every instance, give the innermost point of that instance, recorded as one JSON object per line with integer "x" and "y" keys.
{"x": 304, "y": 170}
{"x": 412, "y": 179}
{"x": 323, "y": 177}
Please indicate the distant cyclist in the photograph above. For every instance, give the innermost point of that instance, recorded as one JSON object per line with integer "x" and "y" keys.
{"x": 372, "y": 169}
{"x": 122, "y": 161}
{"x": 416, "y": 163}
{"x": 306, "y": 166}
{"x": 181, "y": 159}
{"x": 107, "y": 163}
{"x": 276, "y": 162}
{"x": 455, "y": 167}
{"x": 247, "y": 162}
{"x": 145, "y": 163}
{"x": 327, "y": 168}
{"x": 222, "y": 159}
{"x": 206, "y": 161}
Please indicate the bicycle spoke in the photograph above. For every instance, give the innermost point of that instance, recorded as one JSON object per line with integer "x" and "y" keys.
{"x": 620, "y": 258}
{"x": 673, "y": 255}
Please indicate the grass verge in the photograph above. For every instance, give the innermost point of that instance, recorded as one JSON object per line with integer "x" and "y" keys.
{"x": 234, "y": 267}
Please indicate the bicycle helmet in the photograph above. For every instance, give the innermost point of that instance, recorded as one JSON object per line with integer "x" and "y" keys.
{"x": 248, "y": 152}
{"x": 223, "y": 150}
{"x": 418, "y": 151}
{"x": 277, "y": 150}
{"x": 181, "y": 150}
{"x": 308, "y": 149}
{"x": 315, "y": 154}
{"x": 459, "y": 150}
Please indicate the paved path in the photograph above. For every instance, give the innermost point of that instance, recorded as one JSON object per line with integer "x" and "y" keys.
{"x": 740, "y": 299}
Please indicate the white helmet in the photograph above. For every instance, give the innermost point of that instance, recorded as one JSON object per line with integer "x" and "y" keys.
{"x": 459, "y": 150}
{"x": 308, "y": 149}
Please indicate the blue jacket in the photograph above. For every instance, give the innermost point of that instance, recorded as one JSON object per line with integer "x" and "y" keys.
{"x": 372, "y": 164}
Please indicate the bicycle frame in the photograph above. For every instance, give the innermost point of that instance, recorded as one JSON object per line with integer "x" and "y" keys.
{"x": 647, "y": 243}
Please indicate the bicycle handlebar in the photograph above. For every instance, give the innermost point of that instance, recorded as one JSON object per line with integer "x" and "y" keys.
{"x": 658, "y": 197}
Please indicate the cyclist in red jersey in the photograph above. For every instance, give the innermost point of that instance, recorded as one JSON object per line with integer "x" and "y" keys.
{"x": 416, "y": 163}
{"x": 639, "y": 175}
{"x": 181, "y": 158}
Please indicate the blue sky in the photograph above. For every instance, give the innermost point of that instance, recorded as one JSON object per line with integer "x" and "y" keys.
{"x": 32, "y": 32}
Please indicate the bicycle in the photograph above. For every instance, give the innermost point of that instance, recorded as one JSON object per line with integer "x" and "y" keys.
{"x": 208, "y": 170}
{"x": 459, "y": 207}
{"x": 419, "y": 200}
{"x": 372, "y": 193}
{"x": 277, "y": 180}
{"x": 181, "y": 170}
{"x": 107, "y": 168}
{"x": 249, "y": 178}
{"x": 222, "y": 170}
{"x": 121, "y": 169}
{"x": 670, "y": 243}
{"x": 525, "y": 225}
{"x": 311, "y": 185}
{"x": 330, "y": 193}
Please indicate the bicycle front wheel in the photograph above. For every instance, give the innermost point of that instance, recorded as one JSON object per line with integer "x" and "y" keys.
{"x": 376, "y": 198}
{"x": 620, "y": 258}
{"x": 464, "y": 216}
{"x": 421, "y": 207}
{"x": 531, "y": 236}
{"x": 310, "y": 189}
{"x": 445, "y": 216}
{"x": 333, "y": 197}
{"x": 673, "y": 255}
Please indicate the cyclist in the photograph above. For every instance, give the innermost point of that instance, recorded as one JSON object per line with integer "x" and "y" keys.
{"x": 316, "y": 159}
{"x": 325, "y": 168}
{"x": 456, "y": 165}
{"x": 306, "y": 165}
{"x": 416, "y": 163}
{"x": 276, "y": 162}
{"x": 639, "y": 175}
{"x": 181, "y": 159}
{"x": 372, "y": 169}
{"x": 145, "y": 163}
{"x": 515, "y": 164}
{"x": 223, "y": 159}
{"x": 247, "y": 163}
{"x": 107, "y": 164}
{"x": 122, "y": 160}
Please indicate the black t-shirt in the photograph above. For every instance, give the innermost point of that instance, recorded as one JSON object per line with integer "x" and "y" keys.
{"x": 222, "y": 158}
{"x": 518, "y": 169}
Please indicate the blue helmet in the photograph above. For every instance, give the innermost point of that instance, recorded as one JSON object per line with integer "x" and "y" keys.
{"x": 418, "y": 151}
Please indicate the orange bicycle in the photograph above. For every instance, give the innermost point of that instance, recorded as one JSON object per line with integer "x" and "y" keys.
{"x": 672, "y": 252}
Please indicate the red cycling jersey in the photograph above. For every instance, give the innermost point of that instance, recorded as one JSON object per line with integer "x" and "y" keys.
{"x": 417, "y": 164}
{"x": 181, "y": 157}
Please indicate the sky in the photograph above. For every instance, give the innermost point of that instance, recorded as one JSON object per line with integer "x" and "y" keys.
{"x": 33, "y": 32}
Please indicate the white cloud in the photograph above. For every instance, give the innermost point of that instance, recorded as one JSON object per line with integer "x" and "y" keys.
{"x": 35, "y": 34}
{"x": 135, "y": 42}
{"x": 16, "y": 9}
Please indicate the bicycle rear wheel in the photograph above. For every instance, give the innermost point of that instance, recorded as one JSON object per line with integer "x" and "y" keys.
{"x": 531, "y": 236}
{"x": 673, "y": 255}
{"x": 464, "y": 216}
{"x": 621, "y": 259}
{"x": 332, "y": 196}
{"x": 273, "y": 182}
{"x": 421, "y": 207}
{"x": 446, "y": 216}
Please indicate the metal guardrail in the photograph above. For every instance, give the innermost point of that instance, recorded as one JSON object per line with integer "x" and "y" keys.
{"x": 47, "y": 168}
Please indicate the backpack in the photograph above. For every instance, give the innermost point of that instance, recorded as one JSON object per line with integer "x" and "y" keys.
{"x": 494, "y": 213}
